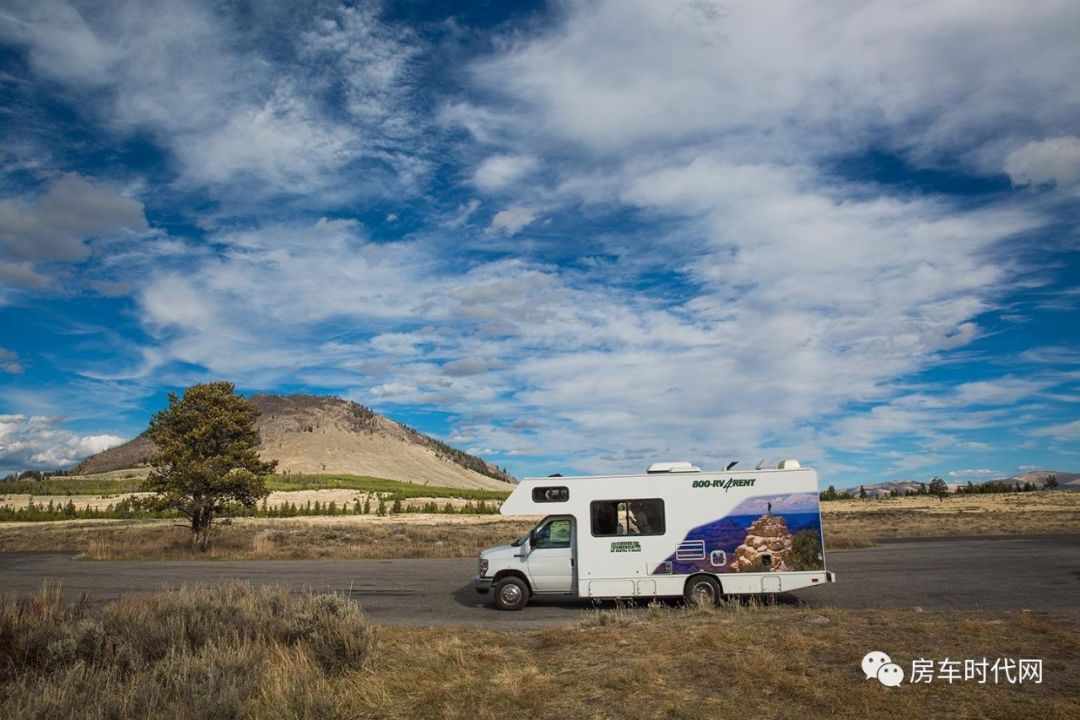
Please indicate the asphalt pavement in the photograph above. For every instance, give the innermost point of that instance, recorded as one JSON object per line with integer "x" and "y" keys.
{"x": 1037, "y": 573}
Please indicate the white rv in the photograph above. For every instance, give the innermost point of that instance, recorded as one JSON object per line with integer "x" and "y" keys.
{"x": 671, "y": 531}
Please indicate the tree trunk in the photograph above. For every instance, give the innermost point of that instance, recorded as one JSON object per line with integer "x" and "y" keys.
{"x": 200, "y": 528}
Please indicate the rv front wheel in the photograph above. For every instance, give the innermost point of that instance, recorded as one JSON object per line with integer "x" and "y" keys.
{"x": 511, "y": 593}
{"x": 702, "y": 590}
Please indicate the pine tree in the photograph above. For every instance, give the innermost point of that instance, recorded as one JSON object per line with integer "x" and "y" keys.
{"x": 207, "y": 456}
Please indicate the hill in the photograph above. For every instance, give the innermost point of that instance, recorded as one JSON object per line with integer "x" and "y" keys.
{"x": 315, "y": 434}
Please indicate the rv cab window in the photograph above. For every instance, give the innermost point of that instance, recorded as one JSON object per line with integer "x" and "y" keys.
{"x": 555, "y": 534}
{"x": 627, "y": 517}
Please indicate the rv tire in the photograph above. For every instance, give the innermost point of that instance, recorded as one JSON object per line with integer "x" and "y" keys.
{"x": 511, "y": 593}
{"x": 702, "y": 590}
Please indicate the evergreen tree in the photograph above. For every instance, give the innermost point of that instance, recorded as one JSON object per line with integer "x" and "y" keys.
{"x": 207, "y": 456}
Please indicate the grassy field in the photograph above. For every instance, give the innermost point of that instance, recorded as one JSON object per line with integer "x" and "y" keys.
{"x": 848, "y": 524}
{"x": 391, "y": 488}
{"x": 239, "y": 652}
{"x": 858, "y": 523}
{"x": 129, "y": 481}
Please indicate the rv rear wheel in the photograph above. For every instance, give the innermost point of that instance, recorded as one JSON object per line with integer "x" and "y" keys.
{"x": 511, "y": 593}
{"x": 702, "y": 590}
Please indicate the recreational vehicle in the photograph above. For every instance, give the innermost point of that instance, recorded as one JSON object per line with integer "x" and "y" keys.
{"x": 673, "y": 530}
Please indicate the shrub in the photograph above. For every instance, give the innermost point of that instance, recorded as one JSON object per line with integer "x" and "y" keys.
{"x": 196, "y": 652}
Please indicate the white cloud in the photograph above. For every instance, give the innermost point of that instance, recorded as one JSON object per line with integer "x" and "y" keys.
{"x": 464, "y": 212}
{"x": 38, "y": 443}
{"x": 233, "y": 116}
{"x": 21, "y": 275}
{"x": 976, "y": 474}
{"x": 56, "y": 225}
{"x": 1055, "y": 160}
{"x": 511, "y": 221}
{"x": 9, "y": 362}
{"x": 1063, "y": 431}
{"x": 809, "y": 293}
{"x": 466, "y": 367}
{"x": 501, "y": 170}
{"x": 788, "y": 79}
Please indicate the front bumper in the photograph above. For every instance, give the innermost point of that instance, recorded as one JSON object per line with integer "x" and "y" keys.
{"x": 482, "y": 584}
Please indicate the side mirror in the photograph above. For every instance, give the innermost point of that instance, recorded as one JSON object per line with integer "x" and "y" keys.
{"x": 526, "y": 548}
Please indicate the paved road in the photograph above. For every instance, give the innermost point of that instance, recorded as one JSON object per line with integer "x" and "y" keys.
{"x": 1040, "y": 573}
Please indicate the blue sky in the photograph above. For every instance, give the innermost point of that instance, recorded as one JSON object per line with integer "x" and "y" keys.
{"x": 573, "y": 237}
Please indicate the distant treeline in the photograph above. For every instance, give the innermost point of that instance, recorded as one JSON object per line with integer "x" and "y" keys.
{"x": 70, "y": 486}
{"x": 938, "y": 488}
{"x": 33, "y": 475}
{"x": 142, "y": 508}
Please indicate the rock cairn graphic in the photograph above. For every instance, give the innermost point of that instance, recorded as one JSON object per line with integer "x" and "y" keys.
{"x": 767, "y": 536}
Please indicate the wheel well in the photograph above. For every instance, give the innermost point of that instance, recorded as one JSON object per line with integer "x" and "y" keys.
{"x": 516, "y": 573}
{"x": 712, "y": 576}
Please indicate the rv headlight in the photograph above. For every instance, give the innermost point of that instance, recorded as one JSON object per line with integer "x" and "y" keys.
{"x": 483, "y": 567}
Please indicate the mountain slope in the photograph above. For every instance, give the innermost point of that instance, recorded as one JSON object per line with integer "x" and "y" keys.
{"x": 312, "y": 434}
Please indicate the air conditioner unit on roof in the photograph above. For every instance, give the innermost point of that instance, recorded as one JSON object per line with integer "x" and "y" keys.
{"x": 673, "y": 467}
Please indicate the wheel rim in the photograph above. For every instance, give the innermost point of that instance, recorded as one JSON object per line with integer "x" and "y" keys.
{"x": 510, "y": 594}
{"x": 703, "y": 592}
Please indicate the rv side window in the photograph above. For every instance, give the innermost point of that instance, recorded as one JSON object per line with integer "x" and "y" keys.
{"x": 627, "y": 517}
{"x": 551, "y": 494}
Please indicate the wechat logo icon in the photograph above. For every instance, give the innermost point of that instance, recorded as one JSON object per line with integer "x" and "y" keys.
{"x": 878, "y": 665}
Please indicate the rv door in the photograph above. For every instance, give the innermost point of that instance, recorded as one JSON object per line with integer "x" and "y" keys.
{"x": 551, "y": 558}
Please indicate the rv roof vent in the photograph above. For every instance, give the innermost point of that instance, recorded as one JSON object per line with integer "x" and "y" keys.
{"x": 790, "y": 464}
{"x": 673, "y": 467}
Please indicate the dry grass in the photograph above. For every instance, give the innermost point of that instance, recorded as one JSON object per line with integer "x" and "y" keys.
{"x": 848, "y": 524}
{"x": 858, "y": 523}
{"x": 739, "y": 661}
{"x": 424, "y": 536}
{"x": 228, "y": 651}
{"x": 238, "y": 652}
